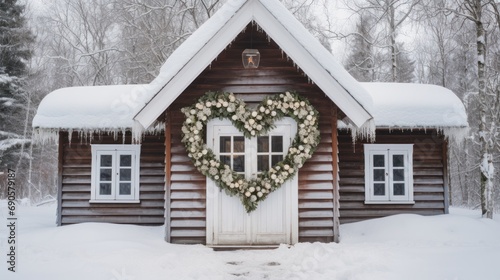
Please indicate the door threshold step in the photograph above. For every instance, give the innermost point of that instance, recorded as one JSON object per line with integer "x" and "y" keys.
{"x": 242, "y": 247}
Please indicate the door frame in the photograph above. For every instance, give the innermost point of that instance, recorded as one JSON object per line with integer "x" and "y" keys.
{"x": 211, "y": 188}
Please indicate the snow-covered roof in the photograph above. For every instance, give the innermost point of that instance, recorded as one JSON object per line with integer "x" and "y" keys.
{"x": 204, "y": 45}
{"x": 111, "y": 108}
{"x": 88, "y": 109}
{"x": 97, "y": 107}
{"x": 399, "y": 105}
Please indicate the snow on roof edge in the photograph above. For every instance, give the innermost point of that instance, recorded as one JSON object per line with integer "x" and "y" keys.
{"x": 415, "y": 105}
{"x": 404, "y": 106}
{"x": 88, "y": 110}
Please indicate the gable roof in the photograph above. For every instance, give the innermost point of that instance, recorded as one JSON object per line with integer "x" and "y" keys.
{"x": 204, "y": 45}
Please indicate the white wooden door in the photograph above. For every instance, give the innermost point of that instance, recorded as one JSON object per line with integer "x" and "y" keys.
{"x": 275, "y": 220}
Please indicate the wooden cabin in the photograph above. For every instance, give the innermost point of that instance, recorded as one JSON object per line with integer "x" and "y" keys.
{"x": 382, "y": 148}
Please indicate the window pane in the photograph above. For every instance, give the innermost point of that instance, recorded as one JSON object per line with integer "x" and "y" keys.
{"x": 275, "y": 159}
{"x": 105, "y": 174}
{"x": 239, "y": 163}
{"x": 398, "y": 160}
{"x": 226, "y": 160}
{"x": 125, "y": 174}
{"x": 263, "y": 144}
{"x": 277, "y": 144}
{"x": 125, "y": 160}
{"x": 399, "y": 189}
{"x": 398, "y": 174}
{"x": 239, "y": 144}
{"x": 106, "y": 160}
{"x": 378, "y": 160}
{"x": 262, "y": 163}
{"x": 105, "y": 188}
{"x": 125, "y": 189}
{"x": 225, "y": 144}
{"x": 379, "y": 175}
{"x": 379, "y": 189}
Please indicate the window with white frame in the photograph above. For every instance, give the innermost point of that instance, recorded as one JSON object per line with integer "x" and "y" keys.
{"x": 388, "y": 173}
{"x": 115, "y": 173}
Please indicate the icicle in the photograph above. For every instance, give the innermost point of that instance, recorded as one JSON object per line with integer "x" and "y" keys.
{"x": 456, "y": 134}
{"x": 156, "y": 128}
{"x": 86, "y": 136}
{"x": 45, "y": 135}
{"x": 137, "y": 132}
{"x": 366, "y": 131}
{"x": 80, "y": 135}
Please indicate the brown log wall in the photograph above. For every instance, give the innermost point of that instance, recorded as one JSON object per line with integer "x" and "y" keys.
{"x": 75, "y": 184}
{"x": 428, "y": 176}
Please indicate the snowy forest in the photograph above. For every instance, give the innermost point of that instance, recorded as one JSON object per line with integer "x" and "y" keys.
{"x": 46, "y": 45}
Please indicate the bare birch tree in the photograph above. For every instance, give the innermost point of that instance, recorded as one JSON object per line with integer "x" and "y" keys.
{"x": 484, "y": 14}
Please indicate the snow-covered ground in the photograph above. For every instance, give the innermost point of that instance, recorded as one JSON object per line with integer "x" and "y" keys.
{"x": 448, "y": 247}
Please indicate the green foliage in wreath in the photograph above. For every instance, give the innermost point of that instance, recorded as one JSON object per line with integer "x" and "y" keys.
{"x": 251, "y": 123}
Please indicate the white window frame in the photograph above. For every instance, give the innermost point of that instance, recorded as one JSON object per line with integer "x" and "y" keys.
{"x": 115, "y": 151}
{"x": 388, "y": 150}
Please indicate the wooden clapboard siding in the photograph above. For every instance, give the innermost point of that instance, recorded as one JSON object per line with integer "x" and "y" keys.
{"x": 335, "y": 165}
{"x": 276, "y": 74}
{"x": 428, "y": 175}
{"x": 75, "y": 175}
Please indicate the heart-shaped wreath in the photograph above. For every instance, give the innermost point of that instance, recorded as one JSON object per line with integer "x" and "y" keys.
{"x": 251, "y": 124}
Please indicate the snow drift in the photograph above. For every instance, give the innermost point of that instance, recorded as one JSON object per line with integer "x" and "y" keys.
{"x": 392, "y": 248}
